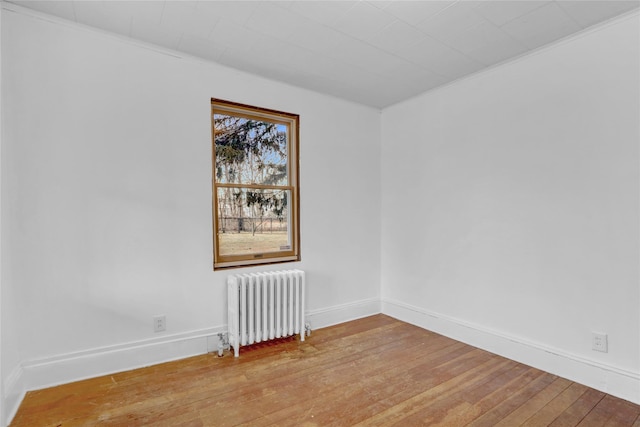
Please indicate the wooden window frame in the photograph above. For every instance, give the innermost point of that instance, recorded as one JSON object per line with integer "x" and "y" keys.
{"x": 292, "y": 122}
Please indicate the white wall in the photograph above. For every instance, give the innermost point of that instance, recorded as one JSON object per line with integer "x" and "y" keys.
{"x": 106, "y": 173}
{"x": 2, "y": 400}
{"x": 511, "y": 206}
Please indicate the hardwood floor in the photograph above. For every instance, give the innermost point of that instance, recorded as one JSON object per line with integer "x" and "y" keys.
{"x": 375, "y": 371}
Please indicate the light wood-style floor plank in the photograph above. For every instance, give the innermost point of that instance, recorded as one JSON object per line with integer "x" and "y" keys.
{"x": 375, "y": 371}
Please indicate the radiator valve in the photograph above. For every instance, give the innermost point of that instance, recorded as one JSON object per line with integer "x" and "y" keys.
{"x": 307, "y": 329}
{"x": 223, "y": 343}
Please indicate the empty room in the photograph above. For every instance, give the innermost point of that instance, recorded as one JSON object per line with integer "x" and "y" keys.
{"x": 220, "y": 213}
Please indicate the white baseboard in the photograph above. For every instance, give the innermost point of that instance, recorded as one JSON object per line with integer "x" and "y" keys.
{"x": 66, "y": 368}
{"x": 95, "y": 362}
{"x": 343, "y": 313}
{"x": 91, "y": 363}
{"x": 14, "y": 392}
{"x": 609, "y": 379}
{"x": 60, "y": 369}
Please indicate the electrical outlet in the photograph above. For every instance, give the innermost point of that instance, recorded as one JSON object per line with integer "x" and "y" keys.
{"x": 599, "y": 342}
{"x": 159, "y": 323}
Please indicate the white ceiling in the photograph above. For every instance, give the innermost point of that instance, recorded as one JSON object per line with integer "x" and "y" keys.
{"x": 375, "y": 53}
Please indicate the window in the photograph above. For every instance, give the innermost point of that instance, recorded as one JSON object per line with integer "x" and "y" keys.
{"x": 255, "y": 185}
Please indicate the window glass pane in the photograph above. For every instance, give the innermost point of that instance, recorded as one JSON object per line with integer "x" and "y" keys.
{"x": 252, "y": 221}
{"x": 250, "y": 151}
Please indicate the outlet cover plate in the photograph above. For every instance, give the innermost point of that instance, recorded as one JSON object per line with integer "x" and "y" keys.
{"x": 599, "y": 342}
{"x": 159, "y": 323}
